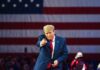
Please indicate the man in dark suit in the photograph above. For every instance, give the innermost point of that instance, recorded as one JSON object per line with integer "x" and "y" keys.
{"x": 53, "y": 50}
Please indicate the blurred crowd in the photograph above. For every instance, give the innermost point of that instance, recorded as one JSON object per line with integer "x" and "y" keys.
{"x": 16, "y": 63}
{"x": 27, "y": 63}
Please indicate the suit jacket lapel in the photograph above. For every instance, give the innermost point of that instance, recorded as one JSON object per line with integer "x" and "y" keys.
{"x": 56, "y": 45}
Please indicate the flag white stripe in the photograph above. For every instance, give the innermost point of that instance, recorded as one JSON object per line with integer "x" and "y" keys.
{"x": 63, "y": 33}
{"x": 49, "y": 18}
{"x": 33, "y": 48}
{"x": 84, "y": 48}
{"x": 72, "y": 3}
{"x": 18, "y": 48}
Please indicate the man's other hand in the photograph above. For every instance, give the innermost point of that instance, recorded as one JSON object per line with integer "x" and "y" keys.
{"x": 55, "y": 64}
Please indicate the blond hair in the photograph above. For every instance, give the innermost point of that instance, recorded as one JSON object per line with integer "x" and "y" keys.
{"x": 48, "y": 28}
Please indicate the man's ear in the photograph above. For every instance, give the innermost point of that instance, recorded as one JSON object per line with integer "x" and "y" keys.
{"x": 54, "y": 31}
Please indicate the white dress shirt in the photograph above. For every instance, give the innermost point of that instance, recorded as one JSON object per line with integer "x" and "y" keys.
{"x": 53, "y": 43}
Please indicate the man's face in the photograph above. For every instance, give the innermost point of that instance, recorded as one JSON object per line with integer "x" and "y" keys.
{"x": 49, "y": 35}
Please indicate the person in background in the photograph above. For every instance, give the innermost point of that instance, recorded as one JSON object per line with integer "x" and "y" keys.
{"x": 98, "y": 68}
{"x": 78, "y": 63}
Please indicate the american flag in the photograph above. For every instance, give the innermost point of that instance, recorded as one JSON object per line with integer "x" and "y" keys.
{"x": 21, "y": 22}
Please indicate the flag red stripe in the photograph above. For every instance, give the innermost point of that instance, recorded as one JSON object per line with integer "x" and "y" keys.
{"x": 89, "y": 56}
{"x": 59, "y": 25}
{"x": 71, "y": 10}
{"x": 32, "y": 41}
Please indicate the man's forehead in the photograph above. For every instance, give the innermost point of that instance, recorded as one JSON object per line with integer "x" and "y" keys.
{"x": 48, "y": 32}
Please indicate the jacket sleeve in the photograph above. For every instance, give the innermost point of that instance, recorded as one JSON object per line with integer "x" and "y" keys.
{"x": 65, "y": 53}
{"x": 39, "y": 40}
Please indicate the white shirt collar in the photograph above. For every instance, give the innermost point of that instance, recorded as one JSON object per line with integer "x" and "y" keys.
{"x": 53, "y": 39}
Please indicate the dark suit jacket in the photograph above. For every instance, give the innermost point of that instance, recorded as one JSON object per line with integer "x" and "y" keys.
{"x": 60, "y": 53}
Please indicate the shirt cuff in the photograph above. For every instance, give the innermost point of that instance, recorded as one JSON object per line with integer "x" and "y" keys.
{"x": 40, "y": 44}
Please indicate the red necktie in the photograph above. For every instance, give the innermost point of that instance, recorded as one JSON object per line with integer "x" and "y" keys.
{"x": 51, "y": 47}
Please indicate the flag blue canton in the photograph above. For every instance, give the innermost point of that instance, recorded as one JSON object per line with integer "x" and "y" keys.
{"x": 21, "y": 6}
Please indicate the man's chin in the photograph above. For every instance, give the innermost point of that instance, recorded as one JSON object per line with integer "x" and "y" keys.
{"x": 49, "y": 39}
